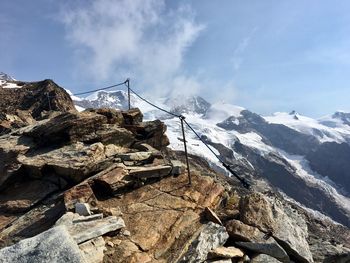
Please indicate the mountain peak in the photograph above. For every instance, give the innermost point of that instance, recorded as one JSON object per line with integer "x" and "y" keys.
{"x": 5, "y": 77}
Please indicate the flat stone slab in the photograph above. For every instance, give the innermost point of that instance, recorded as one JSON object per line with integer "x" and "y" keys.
{"x": 87, "y": 230}
{"x": 52, "y": 246}
{"x": 150, "y": 172}
{"x": 226, "y": 252}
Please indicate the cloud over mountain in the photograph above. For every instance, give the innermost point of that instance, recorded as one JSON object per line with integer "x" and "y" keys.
{"x": 140, "y": 39}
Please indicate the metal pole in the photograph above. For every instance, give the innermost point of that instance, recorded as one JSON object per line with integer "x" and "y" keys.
{"x": 128, "y": 85}
{"x": 184, "y": 138}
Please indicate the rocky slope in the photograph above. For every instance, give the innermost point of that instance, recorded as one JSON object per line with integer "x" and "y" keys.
{"x": 305, "y": 159}
{"x": 102, "y": 186}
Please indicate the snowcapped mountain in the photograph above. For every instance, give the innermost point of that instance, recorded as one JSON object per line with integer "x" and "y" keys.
{"x": 6, "y": 81}
{"x": 306, "y": 159}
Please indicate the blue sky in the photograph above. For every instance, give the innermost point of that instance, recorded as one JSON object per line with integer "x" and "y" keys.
{"x": 267, "y": 56}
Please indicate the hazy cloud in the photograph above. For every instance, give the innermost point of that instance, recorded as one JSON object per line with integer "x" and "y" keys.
{"x": 237, "y": 58}
{"x": 139, "y": 38}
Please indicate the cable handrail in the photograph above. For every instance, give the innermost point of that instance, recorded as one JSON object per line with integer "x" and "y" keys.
{"x": 108, "y": 87}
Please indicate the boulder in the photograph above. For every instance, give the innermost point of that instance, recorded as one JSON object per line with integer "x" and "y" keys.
{"x": 133, "y": 116}
{"x": 255, "y": 240}
{"x": 209, "y": 237}
{"x": 269, "y": 247}
{"x": 285, "y": 224}
{"x": 150, "y": 132}
{"x": 113, "y": 116}
{"x": 52, "y": 246}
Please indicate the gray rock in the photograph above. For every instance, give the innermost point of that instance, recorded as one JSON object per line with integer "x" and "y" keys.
{"x": 82, "y": 209}
{"x": 52, "y": 246}
{"x": 92, "y": 250}
{"x": 269, "y": 248}
{"x": 254, "y": 240}
{"x": 286, "y": 225}
{"x": 218, "y": 261}
{"x": 264, "y": 259}
{"x": 84, "y": 231}
{"x": 137, "y": 156}
{"x": 208, "y": 237}
{"x": 87, "y": 218}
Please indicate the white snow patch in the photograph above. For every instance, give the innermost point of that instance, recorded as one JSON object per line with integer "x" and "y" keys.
{"x": 310, "y": 126}
{"x": 10, "y": 85}
{"x": 78, "y": 108}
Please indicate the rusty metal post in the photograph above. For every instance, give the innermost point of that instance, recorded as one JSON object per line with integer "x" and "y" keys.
{"x": 185, "y": 146}
{"x": 127, "y": 82}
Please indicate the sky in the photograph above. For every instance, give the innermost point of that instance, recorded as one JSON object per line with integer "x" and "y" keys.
{"x": 266, "y": 56}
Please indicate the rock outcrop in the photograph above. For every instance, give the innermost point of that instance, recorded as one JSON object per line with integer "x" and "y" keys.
{"x": 101, "y": 186}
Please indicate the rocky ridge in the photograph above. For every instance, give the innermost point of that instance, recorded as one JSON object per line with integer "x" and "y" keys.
{"x": 102, "y": 186}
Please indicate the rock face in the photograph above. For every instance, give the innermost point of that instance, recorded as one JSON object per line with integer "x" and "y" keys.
{"x": 253, "y": 239}
{"x": 285, "y": 225}
{"x": 54, "y": 245}
{"x": 36, "y": 98}
{"x": 210, "y": 236}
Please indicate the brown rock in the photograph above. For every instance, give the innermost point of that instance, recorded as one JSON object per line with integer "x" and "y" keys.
{"x": 226, "y": 252}
{"x": 133, "y": 116}
{"x": 74, "y": 162}
{"x": 112, "y": 180}
{"x": 164, "y": 215}
{"x": 150, "y": 172}
{"x": 21, "y": 196}
{"x": 239, "y": 231}
{"x": 11, "y": 147}
{"x": 150, "y": 132}
{"x": 81, "y": 193}
{"x": 113, "y": 116}
{"x": 83, "y": 127}
{"x": 36, "y": 98}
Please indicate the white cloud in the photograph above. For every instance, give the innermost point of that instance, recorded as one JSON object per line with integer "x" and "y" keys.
{"x": 139, "y": 38}
{"x": 237, "y": 58}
